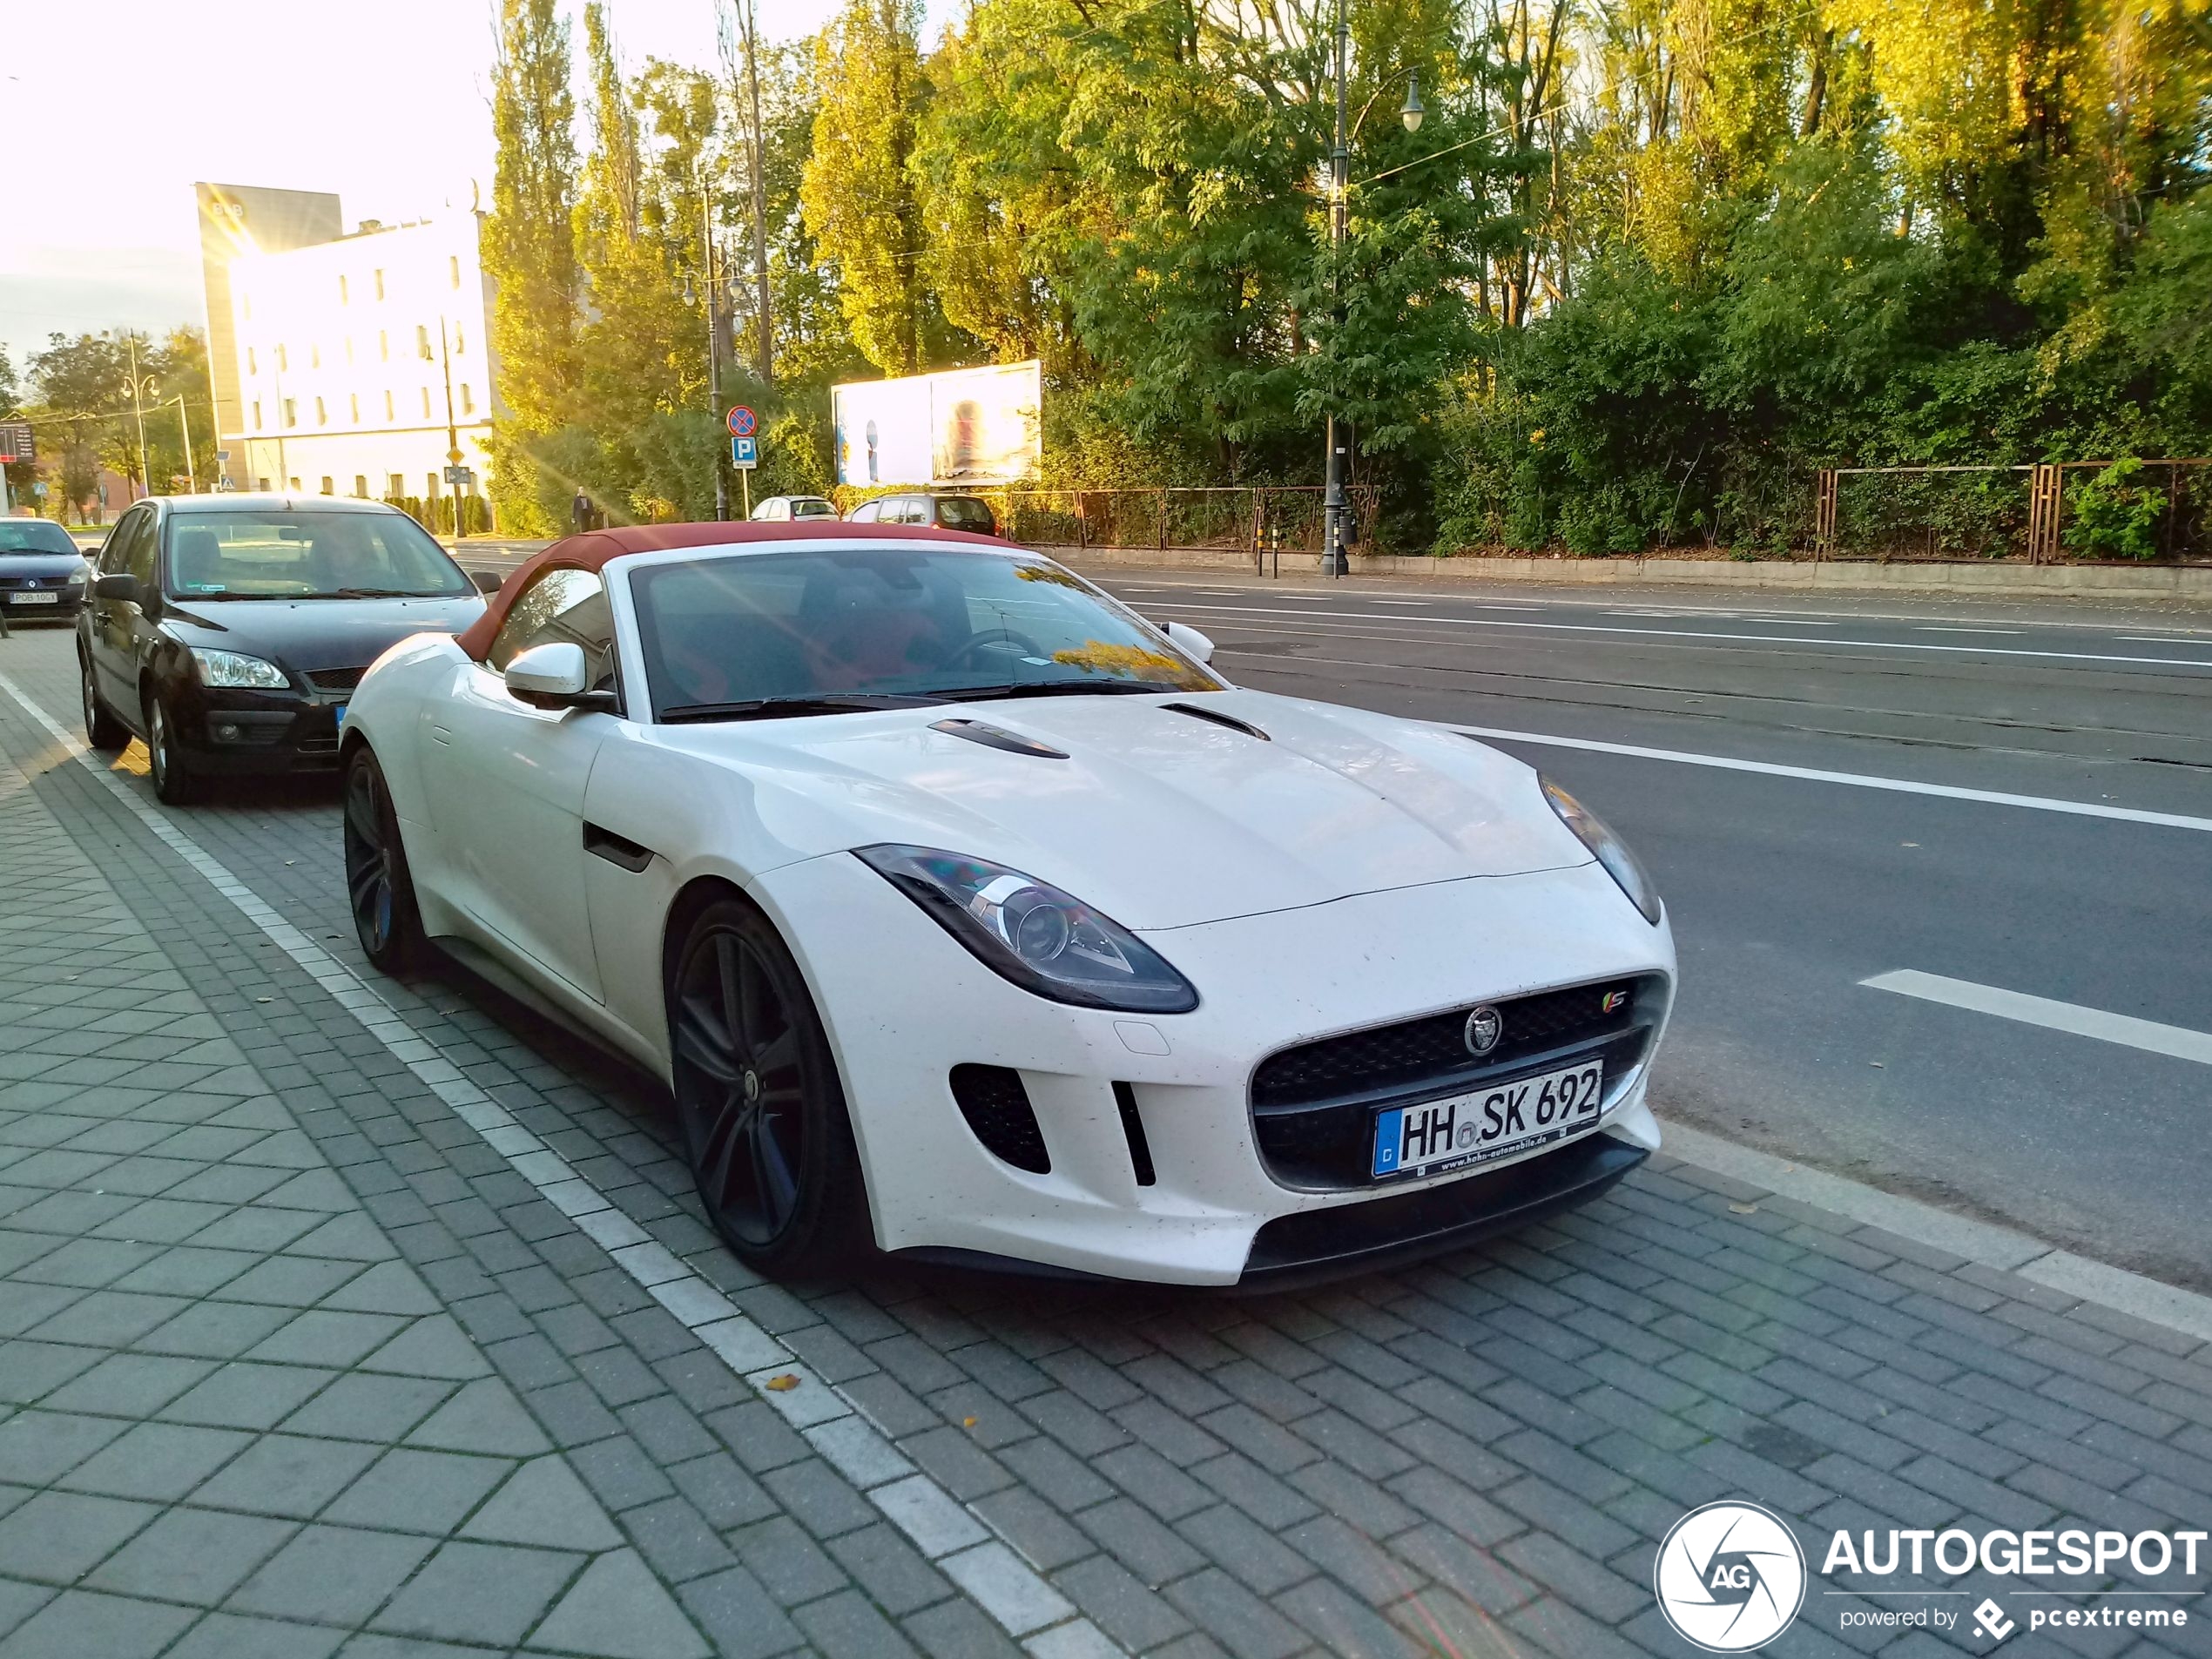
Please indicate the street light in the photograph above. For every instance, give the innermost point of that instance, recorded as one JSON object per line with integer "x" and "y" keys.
{"x": 1413, "y": 112}
{"x": 184, "y": 424}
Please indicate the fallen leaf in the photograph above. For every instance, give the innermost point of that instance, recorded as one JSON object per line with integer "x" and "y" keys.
{"x": 968, "y": 1422}
{"x": 1745, "y": 1209}
{"x": 264, "y": 999}
{"x": 784, "y": 1383}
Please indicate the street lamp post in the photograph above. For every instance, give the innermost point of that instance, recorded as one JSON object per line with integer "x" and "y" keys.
{"x": 713, "y": 344}
{"x": 184, "y": 425}
{"x": 1332, "y": 557}
{"x": 142, "y": 386}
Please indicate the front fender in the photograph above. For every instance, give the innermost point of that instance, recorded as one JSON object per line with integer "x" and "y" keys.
{"x": 385, "y": 711}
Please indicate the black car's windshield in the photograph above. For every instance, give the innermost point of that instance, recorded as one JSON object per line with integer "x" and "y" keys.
{"x": 272, "y": 553}
{"x": 39, "y": 536}
{"x": 814, "y": 632}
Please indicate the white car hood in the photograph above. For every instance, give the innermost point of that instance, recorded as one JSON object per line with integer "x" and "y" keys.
{"x": 1159, "y": 819}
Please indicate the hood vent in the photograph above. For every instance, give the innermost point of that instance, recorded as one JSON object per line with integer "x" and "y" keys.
{"x": 997, "y": 737}
{"x": 1214, "y": 717}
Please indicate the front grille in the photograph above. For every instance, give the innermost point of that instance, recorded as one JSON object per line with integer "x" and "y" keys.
{"x": 998, "y": 1112}
{"x": 336, "y": 679}
{"x": 1314, "y": 1106}
{"x": 33, "y": 584}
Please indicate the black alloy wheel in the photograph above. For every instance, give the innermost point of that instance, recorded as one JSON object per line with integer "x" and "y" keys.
{"x": 174, "y": 784}
{"x": 102, "y": 729}
{"x": 757, "y": 1088}
{"x": 378, "y": 890}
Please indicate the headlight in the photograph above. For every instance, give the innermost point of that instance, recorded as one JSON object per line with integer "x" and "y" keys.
{"x": 231, "y": 668}
{"x": 75, "y": 579}
{"x": 1042, "y": 939}
{"x": 1610, "y": 850}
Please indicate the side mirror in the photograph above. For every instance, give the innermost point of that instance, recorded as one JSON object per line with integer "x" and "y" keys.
{"x": 1192, "y": 642}
{"x": 552, "y": 677}
{"x": 121, "y": 586}
{"x": 488, "y": 581}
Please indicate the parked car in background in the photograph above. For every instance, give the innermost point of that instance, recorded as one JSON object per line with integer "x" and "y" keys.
{"x": 945, "y": 512}
{"x": 229, "y": 631}
{"x": 781, "y": 508}
{"x": 42, "y": 572}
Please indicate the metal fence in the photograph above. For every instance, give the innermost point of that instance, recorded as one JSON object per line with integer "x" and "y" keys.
{"x": 1258, "y": 521}
{"x": 2039, "y": 514}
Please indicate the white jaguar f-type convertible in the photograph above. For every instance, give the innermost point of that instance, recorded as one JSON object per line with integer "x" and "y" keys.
{"x": 967, "y": 915}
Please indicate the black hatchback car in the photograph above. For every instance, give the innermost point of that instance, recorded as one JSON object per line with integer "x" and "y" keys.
{"x": 42, "y": 573}
{"x": 228, "y": 630}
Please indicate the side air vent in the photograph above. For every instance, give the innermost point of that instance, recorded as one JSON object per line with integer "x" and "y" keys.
{"x": 997, "y": 737}
{"x": 1140, "y": 1150}
{"x": 997, "y": 1109}
{"x": 1215, "y": 716}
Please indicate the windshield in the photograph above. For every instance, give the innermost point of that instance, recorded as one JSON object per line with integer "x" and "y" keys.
{"x": 274, "y": 554}
{"x": 812, "y": 507}
{"x": 38, "y": 536}
{"x": 886, "y": 626}
{"x": 964, "y": 513}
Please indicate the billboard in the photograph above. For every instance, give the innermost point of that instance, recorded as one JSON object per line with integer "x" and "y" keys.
{"x": 964, "y": 426}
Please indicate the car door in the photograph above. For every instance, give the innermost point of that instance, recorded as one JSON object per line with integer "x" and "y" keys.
{"x": 116, "y": 623}
{"x": 867, "y": 512}
{"x": 506, "y": 781}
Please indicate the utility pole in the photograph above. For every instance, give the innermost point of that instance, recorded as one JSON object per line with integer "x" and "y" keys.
{"x": 713, "y": 346}
{"x": 453, "y": 432}
{"x": 141, "y": 384}
{"x": 1332, "y": 507}
{"x": 763, "y": 347}
{"x": 184, "y": 423}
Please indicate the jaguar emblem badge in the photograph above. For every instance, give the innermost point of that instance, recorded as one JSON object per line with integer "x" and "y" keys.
{"x": 1484, "y": 1026}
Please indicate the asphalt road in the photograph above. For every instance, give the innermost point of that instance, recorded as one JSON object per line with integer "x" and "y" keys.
{"x": 1788, "y": 891}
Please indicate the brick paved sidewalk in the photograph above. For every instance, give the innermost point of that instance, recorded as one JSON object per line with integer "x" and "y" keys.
{"x": 297, "y": 1360}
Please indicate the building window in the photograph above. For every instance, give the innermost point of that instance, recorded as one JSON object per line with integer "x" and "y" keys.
{"x": 295, "y": 486}
{"x": 383, "y": 346}
{"x": 261, "y": 484}
{"x": 283, "y": 362}
{"x": 422, "y": 341}
{"x": 314, "y": 356}
{"x": 426, "y": 402}
{"x": 292, "y": 414}
{"x": 353, "y": 401}
{"x": 322, "y": 419}
{"x": 459, "y": 343}
{"x": 246, "y": 303}
{"x": 350, "y": 349}
{"x": 257, "y": 414}
{"x": 344, "y": 298}
{"x": 467, "y": 403}
{"x": 361, "y": 485}
{"x": 326, "y": 488}
{"x": 380, "y": 285}
{"x": 387, "y": 404}
{"x": 430, "y": 489}
{"x": 395, "y": 486}
{"x": 253, "y": 364}
{"x": 452, "y": 269}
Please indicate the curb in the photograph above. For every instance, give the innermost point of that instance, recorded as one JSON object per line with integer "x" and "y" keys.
{"x": 1986, "y": 1242}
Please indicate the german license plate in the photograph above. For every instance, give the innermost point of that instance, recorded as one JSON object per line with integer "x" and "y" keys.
{"x": 1441, "y": 1135}
{"x": 35, "y": 599}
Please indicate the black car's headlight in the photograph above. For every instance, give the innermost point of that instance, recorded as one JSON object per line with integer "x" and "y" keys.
{"x": 235, "y": 668}
{"x": 1609, "y": 848}
{"x": 1043, "y": 939}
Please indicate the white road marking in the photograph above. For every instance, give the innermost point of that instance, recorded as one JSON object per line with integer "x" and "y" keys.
{"x": 1790, "y": 622}
{"x": 2177, "y": 1040}
{"x": 847, "y": 1437}
{"x": 1402, "y": 602}
{"x": 2161, "y": 639}
{"x": 1857, "y": 780}
{"x": 1507, "y": 607}
{"x": 1937, "y": 628}
{"x": 1685, "y": 633}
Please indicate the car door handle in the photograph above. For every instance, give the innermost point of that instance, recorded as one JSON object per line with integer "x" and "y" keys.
{"x": 618, "y": 849}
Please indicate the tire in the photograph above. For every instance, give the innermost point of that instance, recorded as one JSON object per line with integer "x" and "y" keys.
{"x": 103, "y": 731}
{"x": 175, "y": 784}
{"x": 757, "y": 1089}
{"x": 380, "y": 891}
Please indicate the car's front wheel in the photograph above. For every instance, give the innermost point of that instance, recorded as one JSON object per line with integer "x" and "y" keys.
{"x": 379, "y": 889}
{"x": 102, "y": 729}
{"x": 757, "y": 1088}
{"x": 175, "y": 784}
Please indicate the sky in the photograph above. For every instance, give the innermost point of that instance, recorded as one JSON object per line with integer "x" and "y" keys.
{"x": 119, "y": 105}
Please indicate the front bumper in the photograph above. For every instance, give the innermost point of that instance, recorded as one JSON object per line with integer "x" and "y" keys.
{"x": 233, "y": 731}
{"x": 905, "y": 1004}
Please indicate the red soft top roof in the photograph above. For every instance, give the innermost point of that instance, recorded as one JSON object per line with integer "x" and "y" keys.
{"x": 593, "y": 549}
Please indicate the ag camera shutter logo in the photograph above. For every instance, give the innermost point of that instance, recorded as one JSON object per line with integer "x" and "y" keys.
{"x": 1729, "y": 1577}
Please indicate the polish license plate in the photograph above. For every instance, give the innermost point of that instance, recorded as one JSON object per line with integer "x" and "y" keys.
{"x": 1487, "y": 1124}
{"x": 35, "y": 599}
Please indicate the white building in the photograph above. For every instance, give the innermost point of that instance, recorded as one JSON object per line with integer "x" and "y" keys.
{"x": 359, "y": 362}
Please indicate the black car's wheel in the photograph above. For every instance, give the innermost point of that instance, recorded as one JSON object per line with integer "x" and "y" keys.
{"x": 102, "y": 729}
{"x": 757, "y": 1088}
{"x": 378, "y": 887}
{"x": 174, "y": 782}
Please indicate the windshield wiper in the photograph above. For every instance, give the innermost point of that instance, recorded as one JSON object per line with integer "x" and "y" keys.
{"x": 377, "y": 593}
{"x": 777, "y": 708}
{"x": 1062, "y": 688}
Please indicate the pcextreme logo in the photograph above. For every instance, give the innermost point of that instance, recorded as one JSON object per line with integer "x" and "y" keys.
{"x": 1729, "y": 1577}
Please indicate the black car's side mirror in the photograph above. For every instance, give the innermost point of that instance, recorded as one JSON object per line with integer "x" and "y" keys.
{"x": 121, "y": 586}
{"x": 488, "y": 581}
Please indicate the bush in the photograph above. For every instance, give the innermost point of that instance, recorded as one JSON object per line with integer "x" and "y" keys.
{"x": 2114, "y": 515}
